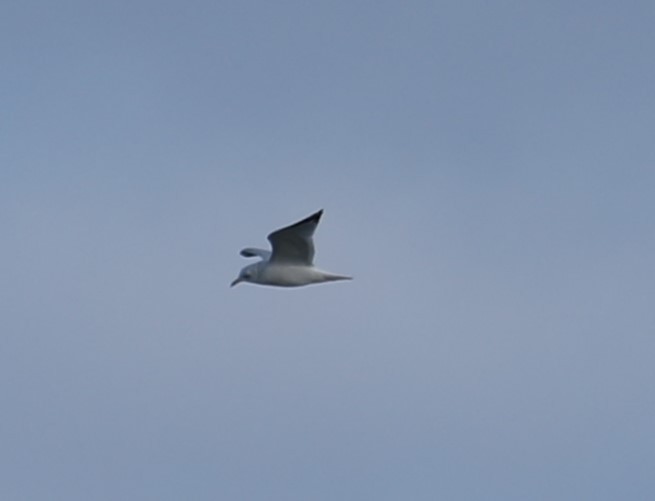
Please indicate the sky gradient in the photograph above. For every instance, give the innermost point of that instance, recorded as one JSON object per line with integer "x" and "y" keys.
{"x": 487, "y": 171}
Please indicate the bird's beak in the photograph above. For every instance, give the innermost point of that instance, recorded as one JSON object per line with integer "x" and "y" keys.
{"x": 236, "y": 281}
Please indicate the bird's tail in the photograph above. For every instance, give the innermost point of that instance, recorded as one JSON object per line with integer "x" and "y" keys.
{"x": 331, "y": 277}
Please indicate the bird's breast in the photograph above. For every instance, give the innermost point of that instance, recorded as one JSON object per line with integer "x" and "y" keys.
{"x": 289, "y": 275}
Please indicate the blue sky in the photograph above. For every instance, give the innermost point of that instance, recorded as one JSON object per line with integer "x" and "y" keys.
{"x": 487, "y": 174}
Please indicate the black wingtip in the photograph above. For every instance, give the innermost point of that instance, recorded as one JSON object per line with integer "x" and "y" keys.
{"x": 314, "y": 218}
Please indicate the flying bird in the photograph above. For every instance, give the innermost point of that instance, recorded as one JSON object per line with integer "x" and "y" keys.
{"x": 290, "y": 263}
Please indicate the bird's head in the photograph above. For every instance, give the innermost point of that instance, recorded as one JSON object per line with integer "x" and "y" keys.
{"x": 247, "y": 274}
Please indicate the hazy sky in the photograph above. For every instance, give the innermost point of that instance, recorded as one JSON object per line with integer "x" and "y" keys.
{"x": 487, "y": 171}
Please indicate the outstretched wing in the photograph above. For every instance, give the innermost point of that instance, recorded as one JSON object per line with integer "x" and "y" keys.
{"x": 294, "y": 244}
{"x": 252, "y": 252}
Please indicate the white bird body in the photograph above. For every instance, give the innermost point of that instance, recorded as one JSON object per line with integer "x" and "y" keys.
{"x": 290, "y": 263}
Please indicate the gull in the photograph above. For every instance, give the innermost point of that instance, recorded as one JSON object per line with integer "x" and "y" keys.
{"x": 290, "y": 263}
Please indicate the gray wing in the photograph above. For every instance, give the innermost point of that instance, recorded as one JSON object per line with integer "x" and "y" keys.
{"x": 252, "y": 252}
{"x": 294, "y": 244}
